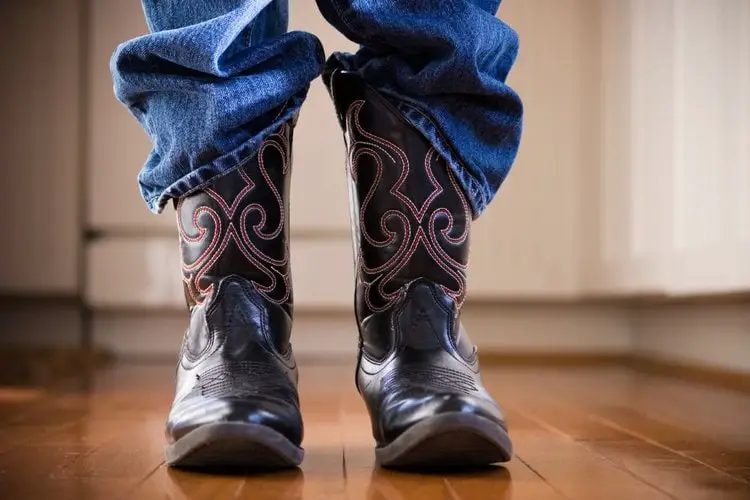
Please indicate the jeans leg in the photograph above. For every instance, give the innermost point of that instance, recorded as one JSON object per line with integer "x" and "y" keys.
{"x": 208, "y": 84}
{"x": 444, "y": 64}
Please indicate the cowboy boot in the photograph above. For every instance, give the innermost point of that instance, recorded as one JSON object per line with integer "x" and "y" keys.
{"x": 236, "y": 401}
{"x": 417, "y": 370}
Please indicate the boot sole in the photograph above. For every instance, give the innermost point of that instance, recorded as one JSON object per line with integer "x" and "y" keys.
{"x": 233, "y": 445}
{"x": 459, "y": 440}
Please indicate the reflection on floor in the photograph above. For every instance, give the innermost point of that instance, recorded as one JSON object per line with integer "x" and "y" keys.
{"x": 603, "y": 433}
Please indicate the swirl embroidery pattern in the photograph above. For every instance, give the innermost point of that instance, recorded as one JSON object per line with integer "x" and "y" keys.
{"x": 237, "y": 227}
{"x": 393, "y": 231}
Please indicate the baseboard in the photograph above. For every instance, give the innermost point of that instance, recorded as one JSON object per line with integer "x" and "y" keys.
{"x": 562, "y": 329}
{"x": 36, "y": 366}
{"x": 44, "y": 367}
{"x": 702, "y": 340}
{"x": 580, "y": 328}
{"x": 157, "y": 336}
{"x": 711, "y": 375}
{"x": 714, "y": 335}
{"x": 41, "y": 321}
{"x": 562, "y": 360}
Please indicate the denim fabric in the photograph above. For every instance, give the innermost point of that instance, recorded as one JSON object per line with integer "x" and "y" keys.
{"x": 216, "y": 76}
{"x": 212, "y": 80}
{"x": 444, "y": 64}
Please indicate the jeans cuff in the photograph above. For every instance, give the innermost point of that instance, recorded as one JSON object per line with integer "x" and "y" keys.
{"x": 473, "y": 187}
{"x": 223, "y": 165}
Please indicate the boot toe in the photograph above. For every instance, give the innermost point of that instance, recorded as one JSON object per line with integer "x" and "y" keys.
{"x": 273, "y": 413}
{"x": 405, "y": 412}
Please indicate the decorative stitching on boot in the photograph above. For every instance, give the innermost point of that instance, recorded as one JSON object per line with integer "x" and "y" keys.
{"x": 242, "y": 379}
{"x": 229, "y": 224}
{"x": 432, "y": 377}
{"x": 419, "y": 226}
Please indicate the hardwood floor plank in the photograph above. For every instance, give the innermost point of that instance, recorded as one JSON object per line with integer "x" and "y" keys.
{"x": 321, "y": 398}
{"x": 595, "y": 433}
{"x": 555, "y": 455}
{"x": 578, "y": 473}
{"x": 677, "y": 475}
{"x": 715, "y": 432}
{"x": 175, "y": 484}
{"x": 366, "y": 481}
{"x": 66, "y": 489}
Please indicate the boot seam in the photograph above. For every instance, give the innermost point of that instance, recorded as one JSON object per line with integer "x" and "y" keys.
{"x": 248, "y": 288}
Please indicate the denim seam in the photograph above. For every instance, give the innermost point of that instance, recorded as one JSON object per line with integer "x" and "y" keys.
{"x": 282, "y": 109}
{"x": 243, "y": 158}
{"x": 348, "y": 20}
{"x": 342, "y": 15}
{"x": 460, "y": 170}
{"x": 240, "y": 163}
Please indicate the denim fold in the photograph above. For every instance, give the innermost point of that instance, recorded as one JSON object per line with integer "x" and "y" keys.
{"x": 215, "y": 77}
{"x": 212, "y": 80}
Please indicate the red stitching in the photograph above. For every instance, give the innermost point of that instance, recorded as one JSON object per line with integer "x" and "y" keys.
{"x": 229, "y": 210}
{"x": 201, "y": 234}
{"x": 467, "y": 210}
{"x": 193, "y": 273}
{"x": 275, "y": 191}
{"x": 387, "y": 271}
{"x": 395, "y": 190}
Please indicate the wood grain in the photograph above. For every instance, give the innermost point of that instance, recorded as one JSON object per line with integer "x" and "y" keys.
{"x": 581, "y": 432}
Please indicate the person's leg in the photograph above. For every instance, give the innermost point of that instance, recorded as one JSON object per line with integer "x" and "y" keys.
{"x": 444, "y": 65}
{"x": 208, "y": 84}
{"x": 432, "y": 130}
{"x": 217, "y": 85}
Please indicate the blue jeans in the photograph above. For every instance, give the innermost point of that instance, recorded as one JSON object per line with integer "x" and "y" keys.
{"x": 215, "y": 77}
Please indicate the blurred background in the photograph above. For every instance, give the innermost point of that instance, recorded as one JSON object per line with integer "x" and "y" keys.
{"x": 623, "y": 231}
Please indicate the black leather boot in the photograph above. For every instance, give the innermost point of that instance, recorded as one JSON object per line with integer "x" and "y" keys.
{"x": 236, "y": 400}
{"x": 417, "y": 369}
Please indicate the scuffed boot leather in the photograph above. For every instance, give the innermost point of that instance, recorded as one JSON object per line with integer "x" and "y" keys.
{"x": 417, "y": 369}
{"x": 236, "y": 399}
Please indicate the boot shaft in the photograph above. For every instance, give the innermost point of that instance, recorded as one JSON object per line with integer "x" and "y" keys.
{"x": 411, "y": 219}
{"x": 238, "y": 226}
{"x": 236, "y": 363}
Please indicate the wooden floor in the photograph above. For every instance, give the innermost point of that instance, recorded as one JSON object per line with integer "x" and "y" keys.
{"x": 603, "y": 433}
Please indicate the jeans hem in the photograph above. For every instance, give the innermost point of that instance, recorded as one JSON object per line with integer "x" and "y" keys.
{"x": 223, "y": 165}
{"x": 473, "y": 187}
{"x": 193, "y": 182}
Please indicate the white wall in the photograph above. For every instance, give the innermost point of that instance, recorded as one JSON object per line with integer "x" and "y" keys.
{"x": 711, "y": 177}
{"x": 675, "y": 191}
{"x": 39, "y": 113}
{"x": 530, "y": 241}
